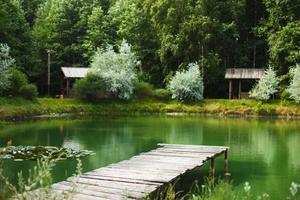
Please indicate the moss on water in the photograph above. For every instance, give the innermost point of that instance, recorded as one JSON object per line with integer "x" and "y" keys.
{"x": 20, "y": 109}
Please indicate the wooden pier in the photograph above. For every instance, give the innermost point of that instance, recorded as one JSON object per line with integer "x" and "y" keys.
{"x": 143, "y": 174}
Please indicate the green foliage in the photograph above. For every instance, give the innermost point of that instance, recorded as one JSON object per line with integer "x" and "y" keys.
{"x": 29, "y": 91}
{"x": 282, "y": 31}
{"x": 96, "y": 36}
{"x": 6, "y": 63}
{"x": 118, "y": 70}
{"x": 62, "y": 26}
{"x": 130, "y": 21}
{"x": 16, "y": 81}
{"x": 266, "y": 87}
{"x": 143, "y": 89}
{"x": 19, "y": 85}
{"x": 12, "y": 81}
{"x": 187, "y": 85}
{"x": 162, "y": 94}
{"x": 91, "y": 87}
{"x": 294, "y": 87}
{"x": 40, "y": 180}
{"x": 15, "y": 32}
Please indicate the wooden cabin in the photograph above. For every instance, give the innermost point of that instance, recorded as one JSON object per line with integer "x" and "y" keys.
{"x": 236, "y": 76}
{"x": 70, "y": 74}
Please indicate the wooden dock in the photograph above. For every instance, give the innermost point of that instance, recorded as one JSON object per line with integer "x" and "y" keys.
{"x": 143, "y": 174}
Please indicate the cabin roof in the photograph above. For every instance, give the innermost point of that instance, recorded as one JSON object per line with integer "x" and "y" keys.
{"x": 244, "y": 73}
{"x": 74, "y": 72}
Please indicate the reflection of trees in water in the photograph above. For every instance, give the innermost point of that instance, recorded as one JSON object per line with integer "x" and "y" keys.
{"x": 263, "y": 144}
{"x": 293, "y": 143}
{"x": 185, "y": 132}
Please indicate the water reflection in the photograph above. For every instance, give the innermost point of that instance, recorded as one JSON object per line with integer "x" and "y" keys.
{"x": 263, "y": 152}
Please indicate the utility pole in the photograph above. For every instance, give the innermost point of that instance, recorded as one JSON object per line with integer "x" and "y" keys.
{"x": 49, "y": 64}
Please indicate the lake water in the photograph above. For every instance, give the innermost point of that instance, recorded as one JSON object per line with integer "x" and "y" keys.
{"x": 264, "y": 152}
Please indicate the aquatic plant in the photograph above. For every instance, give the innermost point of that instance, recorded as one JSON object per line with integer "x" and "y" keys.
{"x": 19, "y": 153}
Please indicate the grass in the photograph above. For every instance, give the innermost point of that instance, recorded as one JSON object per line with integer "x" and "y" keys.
{"x": 19, "y": 109}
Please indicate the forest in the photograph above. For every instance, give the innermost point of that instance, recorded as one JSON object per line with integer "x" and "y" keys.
{"x": 165, "y": 36}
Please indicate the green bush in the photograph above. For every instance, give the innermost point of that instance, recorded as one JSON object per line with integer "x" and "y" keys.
{"x": 16, "y": 80}
{"x": 28, "y": 91}
{"x": 285, "y": 95}
{"x": 18, "y": 85}
{"x": 91, "y": 87}
{"x": 161, "y": 94}
{"x": 143, "y": 89}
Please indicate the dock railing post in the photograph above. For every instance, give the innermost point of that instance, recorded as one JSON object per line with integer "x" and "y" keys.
{"x": 226, "y": 171}
{"x": 212, "y": 170}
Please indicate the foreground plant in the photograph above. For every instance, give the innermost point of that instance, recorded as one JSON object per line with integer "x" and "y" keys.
{"x": 38, "y": 185}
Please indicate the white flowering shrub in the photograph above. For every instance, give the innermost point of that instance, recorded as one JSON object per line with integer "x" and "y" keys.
{"x": 294, "y": 87}
{"x": 266, "y": 86}
{"x": 187, "y": 85}
{"x": 5, "y": 63}
{"x": 118, "y": 70}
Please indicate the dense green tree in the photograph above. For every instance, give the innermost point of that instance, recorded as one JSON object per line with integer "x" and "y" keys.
{"x": 62, "y": 26}
{"x": 30, "y": 8}
{"x": 196, "y": 30}
{"x": 282, "y": 31}
{"x": 97, "y": 36}
{"x": 14, "y": 31}
{"x": 130, "y": 21}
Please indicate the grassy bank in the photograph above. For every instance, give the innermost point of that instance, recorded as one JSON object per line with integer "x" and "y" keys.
{"x": 18, "y": 109}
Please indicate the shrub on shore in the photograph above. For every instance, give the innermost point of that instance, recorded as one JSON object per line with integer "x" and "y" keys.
{"x": 266, "y": 86}
{"x": 294, "y": 87}
{"x": 187, "y": 85}
{"x": 91, "y": 87}
{"x": 12, "y": 81}
{"x": 116, "y": 69}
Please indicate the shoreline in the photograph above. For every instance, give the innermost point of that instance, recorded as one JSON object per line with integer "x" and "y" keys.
{"x": 18, "y": 109}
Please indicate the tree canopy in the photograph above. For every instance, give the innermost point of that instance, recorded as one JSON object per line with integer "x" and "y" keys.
{"x": 165, "y": 35}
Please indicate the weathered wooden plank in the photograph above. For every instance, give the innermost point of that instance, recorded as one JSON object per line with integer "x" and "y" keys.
{"x": 195, "y": 150}
{"x": 87, "y": 191}
{"x": 115, "y": 184}
{"x": 149, "y": 169}
{"x": 193, "y": 146}
{"x": 90, "y": 176}
{"x": 141, "y": 175}
{"x": 136, "y": 171}
{"x": 150, "y": 177}
{"x": 107, "y": 190}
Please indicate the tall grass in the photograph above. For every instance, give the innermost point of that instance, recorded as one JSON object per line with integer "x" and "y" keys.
{"x": 19, "y": 109}
{"x": 38, "y": 184}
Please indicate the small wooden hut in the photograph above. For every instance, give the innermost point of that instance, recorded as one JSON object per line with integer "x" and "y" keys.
{"x": 237, "y": 75}
{"x": 70, "y": 74}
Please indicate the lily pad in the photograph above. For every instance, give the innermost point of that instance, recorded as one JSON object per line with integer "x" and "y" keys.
{"x": 20, "y": 153}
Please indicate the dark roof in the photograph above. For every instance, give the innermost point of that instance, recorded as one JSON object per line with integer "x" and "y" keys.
{"x": 244, "y": 73}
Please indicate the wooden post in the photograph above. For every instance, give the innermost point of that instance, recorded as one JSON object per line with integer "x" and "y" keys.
{"x": 240, "y": 88}
{"x": 230, "y": 89}
{"x": 212, "y": 170}
{"x": 68, "y": 86}
{"x": 226, "y": 172}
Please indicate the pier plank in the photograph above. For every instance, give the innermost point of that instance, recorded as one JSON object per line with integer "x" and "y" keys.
{"x": 141, "y": 175}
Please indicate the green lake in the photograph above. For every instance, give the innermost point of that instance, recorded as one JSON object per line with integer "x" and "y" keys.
{"x": 264, "y": 152}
